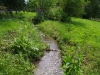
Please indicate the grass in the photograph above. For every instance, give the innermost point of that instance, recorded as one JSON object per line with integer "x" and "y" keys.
{"x": 7, "y": 25}
{"x": 14, "y": 65}
{"x": 81, "y": 33}
{"x": 20, "y": 44}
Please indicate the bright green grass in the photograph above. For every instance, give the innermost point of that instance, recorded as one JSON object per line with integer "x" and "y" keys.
{"x": 14, "y": 65}
{"x": 20, "y": 44}
{"x": 7, "y": 25}
{"x": 78, "y": 33}
{"x": 13, "y": 22}
{"x": 25, "y": 15}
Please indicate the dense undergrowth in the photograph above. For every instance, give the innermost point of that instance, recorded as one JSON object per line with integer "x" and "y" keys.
{"x": 79, "y": 41}
{"x": 20, "y": 44}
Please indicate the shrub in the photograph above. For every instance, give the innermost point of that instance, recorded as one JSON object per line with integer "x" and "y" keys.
{"x": 55, "y": 13}
{"x": 37, "y": 19}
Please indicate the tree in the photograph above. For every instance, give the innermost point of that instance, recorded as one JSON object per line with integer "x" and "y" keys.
{"x": 42, "y": 7}
{"x": 92, "y": 9}
{"x": 64, "y": 8}
{"x": 72, "y": 8}
{"x": 1, "y": 3}
{"x": 31, "y": 5}
{"x": 14, "y": 5}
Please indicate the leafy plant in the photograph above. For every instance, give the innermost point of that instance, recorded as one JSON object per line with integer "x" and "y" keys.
{"x": 55, "y": 13}
{"x": 72, "y": 62}
{"x": 14, "y": 65}
{"x": 27, "y": 47}
{"x": 20, "y": 44}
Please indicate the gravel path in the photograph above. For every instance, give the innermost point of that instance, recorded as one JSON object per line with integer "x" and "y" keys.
{"x": 51, "y": 62}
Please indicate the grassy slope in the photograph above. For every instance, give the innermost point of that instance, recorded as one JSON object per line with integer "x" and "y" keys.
{"x": 18, "y": 31}
{"x": 13, "y": 23}
{"x": 78, "y": 33}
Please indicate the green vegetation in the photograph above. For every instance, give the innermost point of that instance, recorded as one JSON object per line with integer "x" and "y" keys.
{"x": 14, "y": 65}
{"x": 20, "y": 44}
{"x": 60, "y": 10}
{"x": 77, "y": 39}
{"x": 92, "y": 9}
{"x": 13, "y": 5}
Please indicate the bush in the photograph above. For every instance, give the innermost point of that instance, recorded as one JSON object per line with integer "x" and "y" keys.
{"x": 72, "y": 8}
{"x": 37, "y": 19}
{"x": 55, "y": 14}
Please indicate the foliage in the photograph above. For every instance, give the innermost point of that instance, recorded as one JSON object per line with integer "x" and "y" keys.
{"x": 72, "y": 8}
{"x": 1, "y": 3}
{"x": 61, "y": 10}
{"x": 14, "y": 65}
{"x": 14, "y": 5}
{"x": 28, "y": 48}
{"x": 42, "y": 7}
{"x": 31, "y": 5}
{"x": 20, "y": 44}
{"x": 79, "y": 32}
{"x": 28, "y": 44}
{"x": 92, "y": 9}
{"x": 72, "y": 62}
{"x": 55, "y": 13}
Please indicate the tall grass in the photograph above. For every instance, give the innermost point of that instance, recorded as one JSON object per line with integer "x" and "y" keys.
{"x": 20, "y": 44}
{"x": 7, "y": 25}
{"x": 14, "y": 65}
{"x": 78, "y": 33}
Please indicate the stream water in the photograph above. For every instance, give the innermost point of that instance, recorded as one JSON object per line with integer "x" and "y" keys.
{"x": 50, "y": 63}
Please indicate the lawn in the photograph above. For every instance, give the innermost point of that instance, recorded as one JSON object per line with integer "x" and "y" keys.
{"x": 79, "y": 34}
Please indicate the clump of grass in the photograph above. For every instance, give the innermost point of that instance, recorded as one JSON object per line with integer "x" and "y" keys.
{"x": 81, "y": 32}
{"x": 14, "y": 65}
{"x": 7, "y": 25}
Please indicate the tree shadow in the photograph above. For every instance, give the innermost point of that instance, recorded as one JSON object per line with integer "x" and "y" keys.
{"x": 98, "y": 20}
{"x": 77, "y": 23}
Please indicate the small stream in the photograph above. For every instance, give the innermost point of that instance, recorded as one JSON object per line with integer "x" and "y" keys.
{"x": 50, "y": 63}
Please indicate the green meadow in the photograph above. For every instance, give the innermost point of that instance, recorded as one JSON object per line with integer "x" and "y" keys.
{"x": 21, "y": 45}
{"x": 79, "y": 41}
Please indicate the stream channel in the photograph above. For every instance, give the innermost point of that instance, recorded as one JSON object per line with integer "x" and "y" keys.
{"x": 50, "y": 63}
